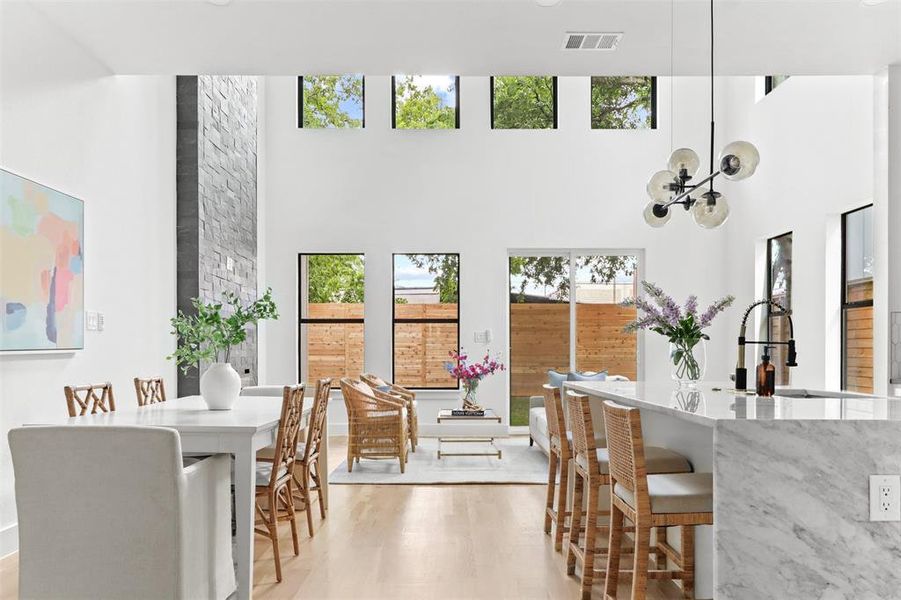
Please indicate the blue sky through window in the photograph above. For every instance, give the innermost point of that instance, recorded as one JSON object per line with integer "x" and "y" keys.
{"x": 408, "y": 275}
{"x": 444, "y": 85}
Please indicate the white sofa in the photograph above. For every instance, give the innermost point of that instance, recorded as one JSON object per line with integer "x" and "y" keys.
{"x": 110, "y": 512}
{"x": 538, "y": 419}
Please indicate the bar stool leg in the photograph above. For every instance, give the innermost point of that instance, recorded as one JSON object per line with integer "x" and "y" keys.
{"x": 614, "y": 549}
{"x": 551, "y": 482}
{"x": 575, "y": 523}
{"x": 640, "y": 561}
{"x": 687, "y": 551}
{"x": 562, "y": 497}
{"x": 590, "y": 549}
{"x": 659, "y": 541}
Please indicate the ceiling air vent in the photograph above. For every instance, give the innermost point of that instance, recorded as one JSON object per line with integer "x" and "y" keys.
{"x": 591, "y": 40}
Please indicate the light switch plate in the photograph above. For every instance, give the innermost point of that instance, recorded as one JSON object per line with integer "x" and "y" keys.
{"x": 90, "y": 320}
{"x": 885, "y": 497}
{"x": 482, "y": 337}
{"x": 229, "y": 263}
{"x": 99, "y": 321}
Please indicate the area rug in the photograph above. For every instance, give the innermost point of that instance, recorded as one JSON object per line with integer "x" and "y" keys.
{"x": 520, "y": 463}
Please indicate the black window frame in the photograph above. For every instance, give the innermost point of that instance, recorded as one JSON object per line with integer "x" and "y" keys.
{"x": 300, "y": 106}
{"x": 456, "y": 109}
{"x": 395, "y": 320}
{"x": 845, "y": 305}
{"x": 769, "y": 83}
{"x": 556, "y": 111}
{"x": 301, "y": 320}
{"x": 769, "y": 275}
{"x": 653, "y": 105}
{"x": 772, "y": 312}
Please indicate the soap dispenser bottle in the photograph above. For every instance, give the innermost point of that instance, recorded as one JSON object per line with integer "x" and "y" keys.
{"x": 766, "y": 375}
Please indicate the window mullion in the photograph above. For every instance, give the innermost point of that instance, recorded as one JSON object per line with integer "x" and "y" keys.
{"x": 572, "y": 311}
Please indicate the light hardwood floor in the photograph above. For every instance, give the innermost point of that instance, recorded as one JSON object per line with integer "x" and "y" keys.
{"x": 422, "y": 542}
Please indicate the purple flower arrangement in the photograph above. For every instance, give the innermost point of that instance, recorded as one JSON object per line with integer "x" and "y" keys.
{"x": 683, "y": 326}
{"x": 459, "y": 368}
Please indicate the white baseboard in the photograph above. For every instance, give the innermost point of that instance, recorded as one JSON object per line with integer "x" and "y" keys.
{"x": 9, "y": 539}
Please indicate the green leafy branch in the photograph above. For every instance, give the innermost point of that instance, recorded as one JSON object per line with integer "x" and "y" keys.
{"x": 207, "y": 335}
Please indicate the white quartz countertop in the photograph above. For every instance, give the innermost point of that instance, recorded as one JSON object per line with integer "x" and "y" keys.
{"x": 711, "y": 402}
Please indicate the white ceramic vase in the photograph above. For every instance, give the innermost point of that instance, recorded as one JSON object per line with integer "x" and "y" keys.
{"x": 220, "y": 385}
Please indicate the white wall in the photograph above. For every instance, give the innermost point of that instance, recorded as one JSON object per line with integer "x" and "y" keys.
{"x": 110, "y": 141}
{"x": 478, "y": 192}
{"x": 815, "y": 136}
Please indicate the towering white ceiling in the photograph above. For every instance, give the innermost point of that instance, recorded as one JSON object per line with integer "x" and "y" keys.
{"x": 466, "y": 37}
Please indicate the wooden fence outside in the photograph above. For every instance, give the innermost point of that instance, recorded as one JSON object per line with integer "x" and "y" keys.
{"x": 859, "y": 339}
{"x": 539, "y": 341}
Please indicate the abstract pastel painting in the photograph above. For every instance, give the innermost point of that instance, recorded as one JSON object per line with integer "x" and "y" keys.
{"x": 41, "y": 267}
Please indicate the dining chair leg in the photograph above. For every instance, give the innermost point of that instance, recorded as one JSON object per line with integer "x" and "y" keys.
{"x": 551, "y": 483}
{"x": 319, "y": 491}
{"x": 614, "y": 549}
{"x": 350, "y": 458}
{"x": 273, "y": 535}
{"x": 590, "y": 550}
{"x": 575, "y": 524}
{"x": 305, "y": 491}
{"x": 289, "y": 507}
{"x": 687, "y": 551}
{"x": 640, "y": 561}
{"x": 562, "y": 497}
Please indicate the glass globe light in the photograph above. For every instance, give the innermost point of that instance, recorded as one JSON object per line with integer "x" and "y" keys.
{"x": 739, "y": 160}
{"x": 653, "y": 218}
{"x": 710, "y": 210}
{"x": 684, "y": 158}
{"x": 659, "y": 186}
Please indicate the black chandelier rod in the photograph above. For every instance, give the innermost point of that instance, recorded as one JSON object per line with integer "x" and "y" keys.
{"x": 678, "y": 199}
{"x": 711, "y": 95}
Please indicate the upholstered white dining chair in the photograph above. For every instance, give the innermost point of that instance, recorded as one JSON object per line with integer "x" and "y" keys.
{"x": 110, "y": 512}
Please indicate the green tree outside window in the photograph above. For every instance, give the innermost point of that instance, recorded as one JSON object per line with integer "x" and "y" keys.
{"x": 425, "y": 102}
{"x": 622, "y": 102}
{"x": 335, "y": 278}
{"x": 332, "y": 101}
{"x": 525, "y": 102}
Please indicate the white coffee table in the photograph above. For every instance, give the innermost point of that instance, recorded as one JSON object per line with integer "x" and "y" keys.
{"x": 490, "y": 420}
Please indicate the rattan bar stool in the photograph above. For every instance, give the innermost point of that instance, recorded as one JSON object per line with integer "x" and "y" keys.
{"x": 560, "y": 444}
{"x": 592, "y": 473}
{"x": 649, "y": 501}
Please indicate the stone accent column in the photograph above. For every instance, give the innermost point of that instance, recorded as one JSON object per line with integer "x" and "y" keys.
{"x": 216, "y": 153}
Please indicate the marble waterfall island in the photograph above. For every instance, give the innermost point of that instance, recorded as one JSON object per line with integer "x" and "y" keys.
{"x": 791, "y": 485}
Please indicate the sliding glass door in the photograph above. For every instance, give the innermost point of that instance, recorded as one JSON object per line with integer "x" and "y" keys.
{"x": 565, "y": 314}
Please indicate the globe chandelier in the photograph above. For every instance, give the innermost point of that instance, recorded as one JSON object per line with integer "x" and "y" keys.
{"x": 674, "y": 186}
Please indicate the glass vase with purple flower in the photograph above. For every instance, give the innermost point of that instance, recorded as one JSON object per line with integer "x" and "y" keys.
{"x": 470, "y": 374}
{"x": 682, "y": 326}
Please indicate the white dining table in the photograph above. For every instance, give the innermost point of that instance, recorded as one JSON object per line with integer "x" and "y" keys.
{"x": 249, "y": 426}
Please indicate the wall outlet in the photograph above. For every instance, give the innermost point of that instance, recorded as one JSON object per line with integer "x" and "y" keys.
{"x": 885, "y": 497}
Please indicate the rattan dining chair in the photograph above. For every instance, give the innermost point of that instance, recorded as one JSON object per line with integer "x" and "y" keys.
{"x": 409, "y": 398}
{"x": 648, "y": 501}
{"x": 308, "y": 470}
{"x": 275, "y": 476}
{"x": 377, "y": 426}
{"x": 150, "y": 390}
{"x": 89, "y": 399}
